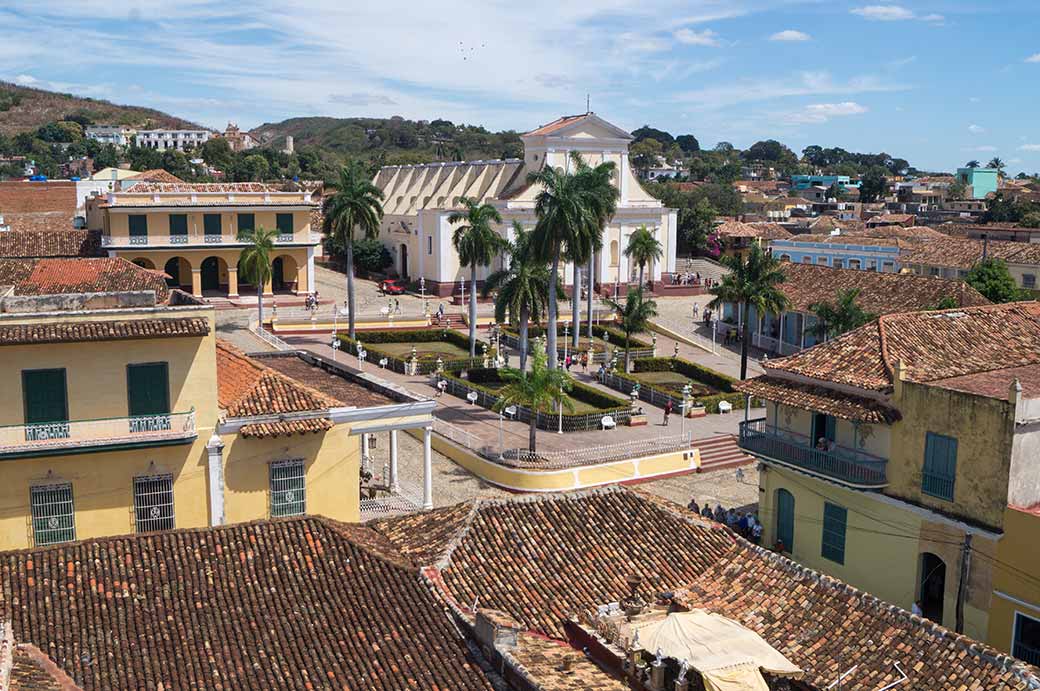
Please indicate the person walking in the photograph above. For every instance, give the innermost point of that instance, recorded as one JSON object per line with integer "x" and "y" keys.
{"x": 667, "y": 411}
{"x": 756, "y": 532}
{"x": 584, "y": 363}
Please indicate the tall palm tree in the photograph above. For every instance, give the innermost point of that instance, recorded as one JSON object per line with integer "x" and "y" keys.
{"x": 566, "y": 208}
{"x": 643, "y": 248}
{"x": 522, "y": 289}
{"x": 834, "y": 319}
{"x": 477, "y": 244}
{"x": 997, "y": 163}
{"x": 356, "y": 204}
{"x": 973, "y": 163}
{"x": 599, "y": 180}
{"x": 634, "y": 315}
{"x": 752, "y": 281}
{"x": 255, "y": 262}
{"x": 537, "y": 390}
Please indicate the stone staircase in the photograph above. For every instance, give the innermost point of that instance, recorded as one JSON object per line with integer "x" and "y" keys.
{"x": 721, "y": 451}
{"x": 707, "y": 268}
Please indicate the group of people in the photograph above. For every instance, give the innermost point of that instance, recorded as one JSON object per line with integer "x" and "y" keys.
{"x": 691, "y": 278}
{"x": 311, "y": 301}
{"x": 572, "y": 360}
{"x": 745, "y": 524}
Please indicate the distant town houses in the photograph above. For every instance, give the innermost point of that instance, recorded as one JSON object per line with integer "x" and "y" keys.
{"x": 116, "y": 135}
{"x": 163, "y": 140}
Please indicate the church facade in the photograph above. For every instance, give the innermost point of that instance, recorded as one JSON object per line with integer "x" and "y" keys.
{"x": 418, "y": 199}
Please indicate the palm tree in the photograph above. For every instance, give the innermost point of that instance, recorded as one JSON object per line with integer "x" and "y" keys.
{"x": 536, "y": 390}
{"x": 357, "y": 203}
{"x": 522, "y": 289}
{"x": 752, "y": 281}
{"x": 643, "y": 248}
{"x": 255, "y": 262}
{"x": 834, "y": 319}
{"x": 566, "y": 208}
{"x": 997, "y": 163}
{"x": 599, "y": 180}
{"x": 973, "y": 163}
{"x": 477, "y": 244}
{"x": 633, "y": 315}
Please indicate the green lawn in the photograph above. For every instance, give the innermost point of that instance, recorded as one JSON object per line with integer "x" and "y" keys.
{"x": 673, "y": 382}
{"x": 425, "y": 350}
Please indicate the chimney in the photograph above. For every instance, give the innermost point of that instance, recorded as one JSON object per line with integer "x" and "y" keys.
{"x": 496, "y": 630}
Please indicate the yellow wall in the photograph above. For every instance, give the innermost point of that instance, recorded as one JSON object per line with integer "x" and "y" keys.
{"x": 118, "y": 224}
{"x": 192, "y": 258}
{"x": 1017, "y": 576}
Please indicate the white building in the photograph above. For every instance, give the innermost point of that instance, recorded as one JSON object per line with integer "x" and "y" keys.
{"x": 418, "y": 199}
{"x": 171, "y": 139}
{"x": 117, "y": 135}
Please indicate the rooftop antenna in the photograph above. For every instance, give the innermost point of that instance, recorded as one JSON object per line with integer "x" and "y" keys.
{"x": 588, "y": 108}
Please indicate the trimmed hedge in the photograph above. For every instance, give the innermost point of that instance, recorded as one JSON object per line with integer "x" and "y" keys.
{"x": 698, "y": 373}
{"x": 617, "y": 337}
{"x": 427, "y": 363}
{"x": 422, "y": 335}
{"x": 579, "y": 391}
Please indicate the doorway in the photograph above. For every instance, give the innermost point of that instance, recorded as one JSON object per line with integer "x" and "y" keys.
{"x": 932, "y": 586}
{"x": 404, "y": 262}
{"x": 210, "y": 274}
{"x": 278, "y": 274}
{"x": 785, "y": 519}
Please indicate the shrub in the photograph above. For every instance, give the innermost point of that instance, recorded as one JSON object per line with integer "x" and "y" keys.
{"x": 371, "y": 255}
{"x": 690, "y": 370}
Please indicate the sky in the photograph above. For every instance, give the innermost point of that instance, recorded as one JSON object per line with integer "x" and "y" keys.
{"x": 938, "y": 82}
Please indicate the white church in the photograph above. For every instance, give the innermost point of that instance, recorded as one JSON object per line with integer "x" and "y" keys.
{"x": 419, "y": 198}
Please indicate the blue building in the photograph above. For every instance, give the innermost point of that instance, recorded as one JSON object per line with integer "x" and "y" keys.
{"x": 980, "y": 181}
{"x": 841, "y": 251}
{"x": 804, "y": 182}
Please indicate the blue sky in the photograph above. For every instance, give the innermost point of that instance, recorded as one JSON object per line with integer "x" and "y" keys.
{"x": 938, "y": 82}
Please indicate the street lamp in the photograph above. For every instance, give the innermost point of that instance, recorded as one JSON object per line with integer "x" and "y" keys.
{"x": 335, "y": 347}
{"x": 566, "y": 332}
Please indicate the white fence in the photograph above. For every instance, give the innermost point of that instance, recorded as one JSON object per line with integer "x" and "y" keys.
{"x": 592, "y": 455}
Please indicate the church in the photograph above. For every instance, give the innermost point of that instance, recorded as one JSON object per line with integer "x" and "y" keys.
{"x": 418, "y": 199}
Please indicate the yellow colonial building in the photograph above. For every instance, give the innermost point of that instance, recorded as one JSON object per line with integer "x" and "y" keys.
{"x": 192, "y": 232}
{"x": 889, "y": 455}
{"x": 125, "y": 414}
{"x": 1014, "y": 620}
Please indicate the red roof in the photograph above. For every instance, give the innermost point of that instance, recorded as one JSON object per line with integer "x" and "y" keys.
{"x": 558, "y": 124}
{"x": 58, "y": 276}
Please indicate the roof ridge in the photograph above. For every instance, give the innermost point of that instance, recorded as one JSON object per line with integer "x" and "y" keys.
{"x": 445, "y": 559}
{"x": 266, "y": 371}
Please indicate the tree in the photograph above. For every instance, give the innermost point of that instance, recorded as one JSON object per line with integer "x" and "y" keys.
{"x": 992, "y": 278}
{"x": 696, "y": 224}
{"x": 956, "y": 190}
{"x": 997, "y": 163}
{"x": 752, "y": 281}
{"x": 973, "y": 163}
{"x": 873, "y": 186}
{"x": 647, "y": 132}
{"x": 107, "y": 157}
{"x": 633, "y": 315}
{"x": 645, "y": 155}
{"x": 834, "y": 319}
{"x": 603, "y": 197}
{"x": 355, "y": 204}
{"x": 688, "y": 143}
{"x": 60, "y": 132}
{"x": 568, "y": 212}
{"x": 477, "y": 244}
{"x": 643, "y": 248}
{"x": 252, "y": 168}
{"x": 1001, "y": 209}
{"x": 255, "y": 262}
{"x": 176, "y": 163}
{"x": 371, "y": 255}
{"x": 836, "y": 192}
{"x": 769, "y": 150}
{"x": 947, "y": 303}
{"x": 522, "y": 289}
{"x": 537, "y": 390}
{"x": 217, "y": 153}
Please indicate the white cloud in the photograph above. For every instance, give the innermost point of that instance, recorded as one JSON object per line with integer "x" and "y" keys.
{"x": 804, "y": 84}
{"x": 976, "y": 129}
{"x": 982, "y": 149}
{"x": 884, "y": 13}
{"x": 698, "y": 38}
{"x": 1030, "y": 147}
{"x": 790, "y": 35}
{"x": 26, "y": 80}
{"x": 1033, "y": 58}
{"x": 819, "y": 113}
{"x": 934, "y": 18}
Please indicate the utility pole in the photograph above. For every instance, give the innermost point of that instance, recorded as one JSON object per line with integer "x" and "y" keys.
{"x": 962, "y": 585}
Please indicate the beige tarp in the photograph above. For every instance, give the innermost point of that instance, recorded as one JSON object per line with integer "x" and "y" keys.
{"x": 709, "y": 643}
{"x": 743, "y": 678}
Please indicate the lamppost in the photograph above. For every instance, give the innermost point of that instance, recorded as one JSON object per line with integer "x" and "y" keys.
{"x": 566, "y": 331}
{"x": 335, "y": 347}
{"x": 560, "y": 404}
{"x": 422, "y": 296}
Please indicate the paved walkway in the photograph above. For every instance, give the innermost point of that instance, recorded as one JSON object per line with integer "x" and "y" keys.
{"x": 676, "y": 314}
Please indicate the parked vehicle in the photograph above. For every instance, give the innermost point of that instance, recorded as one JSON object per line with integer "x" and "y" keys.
{"x": 393, "y": 286}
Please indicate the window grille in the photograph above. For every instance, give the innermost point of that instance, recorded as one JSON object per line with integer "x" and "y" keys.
{"x": 153, "y": 503}
{"x": 53, "y": 514}
{"x": 288, "y": 494}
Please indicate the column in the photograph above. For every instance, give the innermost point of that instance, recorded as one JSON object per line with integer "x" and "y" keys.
{"x": 310, "y": 269}
{"x": 196, "y": 282}
{"x": 427, "y": 469}
{"x": 364, "y": 445}
{"x": 232, "y": 282}
{"x": 395, "y": 485}
{"x": 215, "y": 453}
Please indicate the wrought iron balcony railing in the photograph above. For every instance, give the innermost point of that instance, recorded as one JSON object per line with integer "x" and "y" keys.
{"x": 77, "y": 435}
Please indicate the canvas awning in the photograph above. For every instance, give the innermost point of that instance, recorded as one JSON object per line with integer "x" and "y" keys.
{"x": 728, "y": 655}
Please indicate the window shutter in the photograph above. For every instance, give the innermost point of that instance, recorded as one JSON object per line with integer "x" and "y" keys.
{"x": 148, "y": 389}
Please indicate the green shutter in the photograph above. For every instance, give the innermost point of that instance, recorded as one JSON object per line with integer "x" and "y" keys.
{"x": 940, "y": 466}
{"x": 45, "y": 396}
{"x": 138, "y": 226}
{"x": 148, "y": 389}
{"x": 211, "y": 224}
{"x": 178, "y": 224}
{"x": 284, "y": 223}
{"x": 246, "y": 223}
{"x": 834, "y": 522}
{"x": 785, "y": 519}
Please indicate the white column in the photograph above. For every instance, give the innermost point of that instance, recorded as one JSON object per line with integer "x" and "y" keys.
{"x": 364, "y": 445}
{"x": 215, "y": 452}
{"x": 395, "y": 485}
{"x": 310, "y": 270}
{"x": 427, "y": 469}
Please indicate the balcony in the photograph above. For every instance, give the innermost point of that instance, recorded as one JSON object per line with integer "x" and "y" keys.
{"x": 79, "y": 436}
{"x": 847, "y": 466}
{"x": 301, "y": 238}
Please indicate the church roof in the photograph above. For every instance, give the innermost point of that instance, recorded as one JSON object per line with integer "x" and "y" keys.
{"x": 408, "y": 189}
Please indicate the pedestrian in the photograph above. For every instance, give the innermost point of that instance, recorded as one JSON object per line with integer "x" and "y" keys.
{"x": 742, "y": 524}
{"x": 693, "y": 506}
{"x": 706, "y": 511}
{"x": 397, "y": 306}
{"x": 696, "y": 311}
{"x": 720, "y": 514}
{"x": 778, "y": 546}
{"x": 585, "y": 363}
{"x": 667, "y": 411}
{"x": 567, "y": 363}
{"x": 441, "y": 386}
{"x": 916, "y": 608}
{"x": 731, "y": 519}
{"x": 756, "y": 533}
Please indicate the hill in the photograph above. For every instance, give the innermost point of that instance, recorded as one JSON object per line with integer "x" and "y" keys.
{"x": 23, "y": 109}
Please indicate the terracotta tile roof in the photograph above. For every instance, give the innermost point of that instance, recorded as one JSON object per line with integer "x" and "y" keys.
{"x": 17, "y": 196}
{"x": 930, "y": 345}
{"x": 32, "y": 670}
{"x": 85, "y": 275}
{"x": 885, "y": 219}
{"x": 736, "y": 229}
{"x": 299, "y": 604}
{"x": 542, "y": 560}
{"x": 819, "y": 398}
{"x": 880, "y": 293}
{"x": 246, "y": 388}
{"x": 557, "y": 124}
{"x": 956, "y": 253}
{"x": 555, "y": 666}
{"x": 170, "y": 187}
{"x": 343, "y": 391}
{"x": 997, "y": 383}
{"x": 30, "y": 241}
{"x": 122, "y": 330}
{"x": 857, "y": 238}
{"x": 770, "y": 231}
{"x": 157, "y": 175}
{"x": 38, "y": 220}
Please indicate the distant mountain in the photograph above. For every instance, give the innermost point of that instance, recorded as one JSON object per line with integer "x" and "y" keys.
{"x": 23, "y": 109}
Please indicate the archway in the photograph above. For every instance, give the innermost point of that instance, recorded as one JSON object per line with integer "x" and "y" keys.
{"x": 404, "y": 262}
{"x": 785, "y": 519}
{"x": 214, "y": 273}
{"x": 284, "y": 274}
{"x": 179, "y": 271}
{"x": 932, "y": 590}
{"x": 145, "y": 263}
